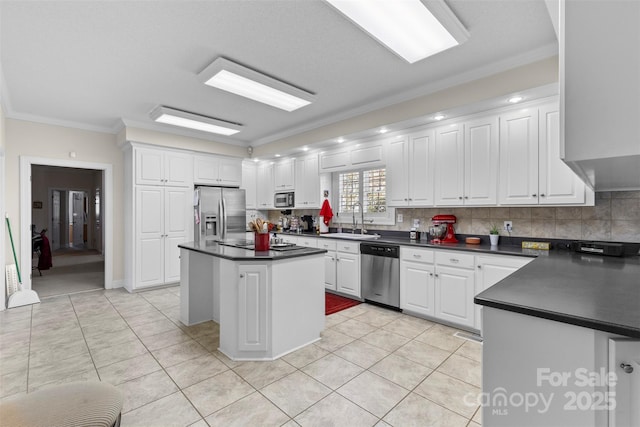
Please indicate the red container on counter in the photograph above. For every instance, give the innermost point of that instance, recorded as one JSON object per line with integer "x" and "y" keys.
{"x": 261, "y": 241}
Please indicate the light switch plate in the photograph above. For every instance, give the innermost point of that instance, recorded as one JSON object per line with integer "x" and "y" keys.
{"x": 399, "y": 218}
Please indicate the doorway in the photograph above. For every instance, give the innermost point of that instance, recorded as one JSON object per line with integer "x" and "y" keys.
{"x": 82, "y": 258}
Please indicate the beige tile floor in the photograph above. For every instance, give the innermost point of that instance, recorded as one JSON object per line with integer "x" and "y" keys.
{"x": 371, "y": 367}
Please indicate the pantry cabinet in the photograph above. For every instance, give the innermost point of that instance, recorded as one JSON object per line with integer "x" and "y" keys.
{"x": 249, "y": 183}
{"x": 307, "y": 179}
{"x": 217, "y": 170}
{"x": 410, "y": 170}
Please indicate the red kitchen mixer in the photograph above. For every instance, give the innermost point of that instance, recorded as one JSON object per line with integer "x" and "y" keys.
{"x": 442, "y": 230}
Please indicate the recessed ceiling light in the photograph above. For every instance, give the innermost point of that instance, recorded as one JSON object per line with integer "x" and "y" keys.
{"x": 340, "y": 140}
{"x": 514, "y": 99}
{"x": 256, "y": 160}
{"x": 235, "y": 78}
{"x": 194, "y": 121}
{"x": 277, "y": 155}
{"x": 305, "y": 148}
{"x": 412, "y": 29}
{"x": 383, "y": 130}
{"x": 439, "y": 117}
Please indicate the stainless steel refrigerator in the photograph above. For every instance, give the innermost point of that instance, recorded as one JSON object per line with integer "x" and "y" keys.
{"x": 220, "y": 214}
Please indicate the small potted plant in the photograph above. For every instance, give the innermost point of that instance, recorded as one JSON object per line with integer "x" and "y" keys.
{"x": 494, "y": 235}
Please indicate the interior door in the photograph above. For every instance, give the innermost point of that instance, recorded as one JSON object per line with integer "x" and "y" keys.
{"x": 77, "y": 218}
{"x": 55, "y": 220}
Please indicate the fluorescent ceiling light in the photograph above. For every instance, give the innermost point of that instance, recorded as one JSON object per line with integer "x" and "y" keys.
{"x": 235, "y": 78}
{"x": 410, "y": 28}
{"x": 194, "y": 121}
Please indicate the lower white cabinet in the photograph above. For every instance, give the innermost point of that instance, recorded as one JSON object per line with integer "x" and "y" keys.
{"x": 162, "y": 222}
{"x": 417, "y": 281}
{"x": 454, "y": 295}
{"x": 342, "y": 266}
{"x": 252, "y": 307}
{"x": 490, "y": 269}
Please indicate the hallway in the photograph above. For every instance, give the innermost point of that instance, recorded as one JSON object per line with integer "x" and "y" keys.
{"x": 73, "y": 271}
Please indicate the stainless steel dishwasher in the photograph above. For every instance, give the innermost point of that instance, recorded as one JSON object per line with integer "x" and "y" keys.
{"x": 380, "y": 273}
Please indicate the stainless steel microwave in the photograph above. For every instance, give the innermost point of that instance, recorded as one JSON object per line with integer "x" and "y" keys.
{"x": 284, "y": 200}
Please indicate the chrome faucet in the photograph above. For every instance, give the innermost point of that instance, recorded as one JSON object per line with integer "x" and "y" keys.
{"x": 355, "y": 222}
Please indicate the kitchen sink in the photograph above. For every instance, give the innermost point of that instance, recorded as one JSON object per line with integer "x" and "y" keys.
{"x": 353, "y": 236}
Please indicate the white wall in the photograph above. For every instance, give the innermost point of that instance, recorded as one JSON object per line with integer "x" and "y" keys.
{"x": 31, "y": 139}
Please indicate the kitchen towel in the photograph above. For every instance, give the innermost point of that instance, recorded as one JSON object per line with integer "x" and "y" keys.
{"x": 326, "y": 212}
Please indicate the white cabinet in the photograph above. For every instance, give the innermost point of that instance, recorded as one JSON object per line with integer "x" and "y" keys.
{"x": 306, "y": 241}
{"x": 466, "y": 158}
{"x": 417, "y": 281}
{"x": 531, "y": 171}
{"x": 371, "y": 154}
{"x": 342, "y": 267}
{"x": 249, "y": 183}
{"x": 454, "y": 288}
{"x": 252, "y": 308}
{"x": 217, "y": 170}
{"x": 284, "y": 175}
{"x": 490, "y": 269}
{"x": 307, "y": 181}
{"x": 162, "y": 222}
{"x": 410, "y": 169}
{"x": 264, "y": 198}
{"x": 162, "y": 167}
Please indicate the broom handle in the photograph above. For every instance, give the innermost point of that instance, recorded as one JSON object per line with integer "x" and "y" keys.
{"x": 15, "y": 258}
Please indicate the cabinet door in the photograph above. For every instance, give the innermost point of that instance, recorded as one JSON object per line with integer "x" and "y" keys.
{"x": 252, "y": 308}
{"x": 149, "y": 167}
{"x": 398, "y": 173}
{"x": 454, "y": 289}
{"x": 265, "y": 186}
{"x": 421, "y": 169}
{"x": 249, "y": 183}
{"x": 417, "y": 288}
{"x": 283, "y": 174}
{"x": 558, "y": 184}
{"x": 330, "y": 271}
{"x": 481, "y": 162}
{"x": 150, "y": 239}
{"x": 229, "y": 172}
{"x": 348, "y": 274}
{"x": 176, "y": 230}
{"x": 307, "y": 179}
{"x": 489, "y": 271}
{"x": 205, "y": 170}
{"x": 178, "y": 169}
{"x": 519, "y": 157}
{"x": 449, "y": 170}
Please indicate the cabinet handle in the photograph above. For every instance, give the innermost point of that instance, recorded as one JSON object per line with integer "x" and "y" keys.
{"x": 460, "y": 197}
{"x": 431, "y": 274}
{"x": 453, "y": 260}
{"x": 242, "y": 276}
{"x": 534, "y": 195}
{"x": 479, "y": 267}
{"x": 541, "y": 195}
{"x": 626, "y": 368}
{"x": 466, "y": 197}
{"x": 436, "y": 275}
{"x": 417, "y": 256}
{"x": 410, "y": 199}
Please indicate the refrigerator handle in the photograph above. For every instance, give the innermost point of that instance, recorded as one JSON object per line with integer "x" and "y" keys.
{"x": 222, "y": 208}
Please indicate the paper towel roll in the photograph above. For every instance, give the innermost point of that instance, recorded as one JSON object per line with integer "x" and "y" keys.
{"x": 323, "y": 228}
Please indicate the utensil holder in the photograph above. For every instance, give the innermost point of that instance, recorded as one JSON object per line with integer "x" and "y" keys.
{"x": 261, "y": 241}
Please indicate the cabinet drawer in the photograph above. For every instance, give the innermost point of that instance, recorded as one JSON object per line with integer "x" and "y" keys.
{"x": 349, "y": 247}
{"x": 455, "y": 259}
{"x": 416, "y": 255}
{"x": 327, "y": 244}
{"x": 308, "y": 242}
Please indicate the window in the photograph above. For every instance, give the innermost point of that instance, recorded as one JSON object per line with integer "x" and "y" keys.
{"x": 366, "y": 190}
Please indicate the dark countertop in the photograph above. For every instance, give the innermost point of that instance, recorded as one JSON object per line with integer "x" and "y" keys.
{"x": 241, "y": 254}
{"x": 597, "y": 292}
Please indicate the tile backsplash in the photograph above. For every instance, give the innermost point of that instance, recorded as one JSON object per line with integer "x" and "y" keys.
{"x": 615, "y": 217}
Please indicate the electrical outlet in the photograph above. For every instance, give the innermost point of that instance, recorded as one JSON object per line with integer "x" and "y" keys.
{"x": 399, "y": 218}
{"x": 508, "y": 226}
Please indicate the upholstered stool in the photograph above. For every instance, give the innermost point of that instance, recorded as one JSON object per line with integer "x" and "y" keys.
{"x": 77, "y": 404}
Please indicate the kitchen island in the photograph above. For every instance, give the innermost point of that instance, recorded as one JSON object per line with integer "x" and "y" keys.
{"x": 268, "y": 303}
{"x": 562, "y": 343}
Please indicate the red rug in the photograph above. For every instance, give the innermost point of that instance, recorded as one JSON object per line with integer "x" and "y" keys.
{"x": 335, "y": 303}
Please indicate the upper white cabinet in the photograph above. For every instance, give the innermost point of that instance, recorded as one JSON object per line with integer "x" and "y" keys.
{"x": 369, "y": 154}
{"x": 410, "y": 170}
{"x": 307, "y": 180}
{"x": 284, "y": 175}
{"x": 264, "y": 197}
{"x": 249, "y": 182}
{"x": 216, "y": 170}
{"x": 449, "y": 169}
{"x": 531, "y": 171}
{"x": 163, "y": 167}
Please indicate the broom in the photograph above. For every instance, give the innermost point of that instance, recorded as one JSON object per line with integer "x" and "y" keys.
{"x": 21, "y": 296}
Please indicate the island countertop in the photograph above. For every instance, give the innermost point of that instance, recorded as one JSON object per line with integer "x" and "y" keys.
{"x": 240, "y": 254}
{"x": 596, "y": 292}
